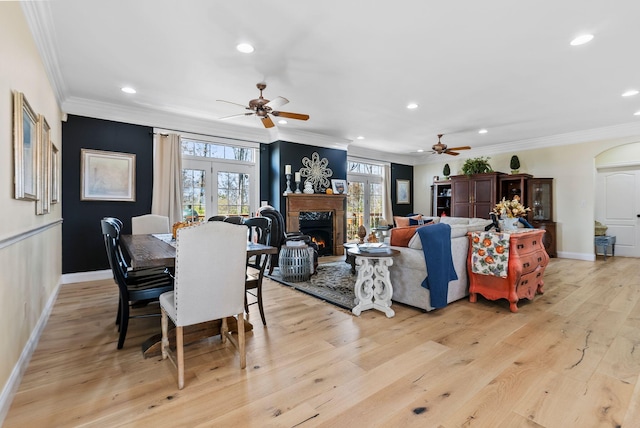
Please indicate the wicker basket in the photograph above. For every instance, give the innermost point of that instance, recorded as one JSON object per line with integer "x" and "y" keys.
{"x": 600, "y": 229}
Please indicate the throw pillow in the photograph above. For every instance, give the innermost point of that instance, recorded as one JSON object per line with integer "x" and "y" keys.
{"x": 421, "y": 221}
{"x": 400, "y": 236}
{"x": 405, "y": 221}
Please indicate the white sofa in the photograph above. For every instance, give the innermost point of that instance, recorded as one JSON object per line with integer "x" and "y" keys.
{"x": 409, "y": 268}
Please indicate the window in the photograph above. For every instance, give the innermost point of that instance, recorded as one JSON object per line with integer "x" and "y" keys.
{"x": 365, "y": 196}
{"x": 218, "y": 179}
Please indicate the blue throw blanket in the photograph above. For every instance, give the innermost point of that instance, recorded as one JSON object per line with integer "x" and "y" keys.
{"x": 436, "y": 245}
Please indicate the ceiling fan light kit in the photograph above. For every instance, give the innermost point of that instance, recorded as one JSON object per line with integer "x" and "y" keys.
{"x": 263, "y": 108}
{"x": 440, "y": 148}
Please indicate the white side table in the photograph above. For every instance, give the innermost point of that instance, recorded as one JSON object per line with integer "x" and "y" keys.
{"x": 373, "y": 287}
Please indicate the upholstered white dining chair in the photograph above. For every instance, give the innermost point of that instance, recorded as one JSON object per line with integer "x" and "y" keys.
{"x": 149, "y": 223}
{"x": 209, "y": 283}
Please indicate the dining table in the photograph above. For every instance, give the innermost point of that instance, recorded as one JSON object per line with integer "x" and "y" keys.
{"x": 153, "y": 250}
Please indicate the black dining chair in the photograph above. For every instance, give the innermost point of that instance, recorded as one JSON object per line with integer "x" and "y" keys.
{"x": 132, "y": 273}
{"x": 217, "y": 218}
{"x": 235, "y": 219}
{"x": 133, "y": 292}
{"x": 260, "y": 233}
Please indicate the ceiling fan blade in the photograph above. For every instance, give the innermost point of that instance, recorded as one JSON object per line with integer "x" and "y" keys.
{"x": 267, "y": 122}
{"x": 234, "y": 115}
{"x": 460, "y": 148}
{"x": 298, "y": 116}
{"x": 235, "y": 104}
{"x": 277, "y": 103}
{"x": 451, "y": 153}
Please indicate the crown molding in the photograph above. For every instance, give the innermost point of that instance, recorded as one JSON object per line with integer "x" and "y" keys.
{"x": 630, "y": 131}
{"x": 365, "y": 153}
{"x": 38, "y": 17}
{"x": 309, "y": 138}
{"x": 165, "y": 120}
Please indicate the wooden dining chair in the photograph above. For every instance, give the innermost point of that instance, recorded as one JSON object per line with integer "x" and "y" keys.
{"x": 133, "y": 291}
{"x": 149, "y": 223}
{"x": 209, "y": 276}
{"x": 260, "y": 233}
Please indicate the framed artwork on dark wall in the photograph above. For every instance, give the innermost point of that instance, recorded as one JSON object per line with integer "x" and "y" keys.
{"x": 107, "y": 176}
{"x": 403, "y": 191}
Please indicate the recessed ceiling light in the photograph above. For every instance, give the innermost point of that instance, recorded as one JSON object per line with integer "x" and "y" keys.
{"x": 412, "y": 105}
{"x": 360, "y": 137}
{"x": 128, "y": 90}
{"x": 630, "y": 93}
{"x": 581, "y": 40}
{"x": 482, "y": 131}
{"x": 420, "y": 150}
{"x": 637, "y": 113}
{"x": 282, "y": 122}
{"x": 245, "y": 48}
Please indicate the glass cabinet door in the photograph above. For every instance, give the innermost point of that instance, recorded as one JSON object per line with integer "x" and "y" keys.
{"x": 540, "y": 199}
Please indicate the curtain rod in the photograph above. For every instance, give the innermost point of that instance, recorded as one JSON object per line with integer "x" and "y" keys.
{"x": 204, "y": 135}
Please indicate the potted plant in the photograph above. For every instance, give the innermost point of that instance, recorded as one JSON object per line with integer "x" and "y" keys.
{"x": 477, "y": 165}
{"x": 446, "y": 171}
{"x": 514, "y": 164}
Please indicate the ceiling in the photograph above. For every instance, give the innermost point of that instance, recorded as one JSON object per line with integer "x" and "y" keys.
{"x": 500, "y": 65}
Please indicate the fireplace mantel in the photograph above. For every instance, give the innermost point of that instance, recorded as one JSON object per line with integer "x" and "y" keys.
{"x": 297, "y": 202}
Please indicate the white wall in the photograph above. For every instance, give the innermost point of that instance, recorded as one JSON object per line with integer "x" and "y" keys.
{"x": 573, "y": 169}
{"x": 30, "y": 245}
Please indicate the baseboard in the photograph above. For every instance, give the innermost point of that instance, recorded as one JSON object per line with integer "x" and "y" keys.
{"x": 13, "y": 383}
{"x": 97, "y": 275}
{"x": 577, "y": 256}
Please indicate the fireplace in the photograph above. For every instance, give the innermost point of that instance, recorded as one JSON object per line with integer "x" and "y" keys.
{"x": 319, "y": 226}
{"x": 299, "y": 205}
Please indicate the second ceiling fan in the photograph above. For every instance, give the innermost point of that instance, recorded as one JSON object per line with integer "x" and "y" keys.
{"x": 441, "y": 148}
{"x": 262, "y": 108}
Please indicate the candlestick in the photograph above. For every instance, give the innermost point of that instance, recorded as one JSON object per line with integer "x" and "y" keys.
{"x": 297, "y": 183}
{"x": 287, "y": 169}
{"x": 286, "y": 192}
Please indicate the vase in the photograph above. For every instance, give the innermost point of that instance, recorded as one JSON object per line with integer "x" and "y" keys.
{"x": 362, "y": 232}
{"x": 508, "y": 224}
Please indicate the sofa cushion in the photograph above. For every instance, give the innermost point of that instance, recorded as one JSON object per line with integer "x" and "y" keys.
{"x": 400, "y": 236}
{"x": 454, "y": 220}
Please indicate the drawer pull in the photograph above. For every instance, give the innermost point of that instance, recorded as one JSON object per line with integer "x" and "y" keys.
{"x": 525, "y": 265}
{"x": 519, "y": 246}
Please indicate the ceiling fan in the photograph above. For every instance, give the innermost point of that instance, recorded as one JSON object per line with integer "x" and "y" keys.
{"x": 262, "y": 108}
{"x": 441, "y": 148}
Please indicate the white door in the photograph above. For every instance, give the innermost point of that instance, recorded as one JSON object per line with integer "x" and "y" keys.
{"x": 618, "y": 207}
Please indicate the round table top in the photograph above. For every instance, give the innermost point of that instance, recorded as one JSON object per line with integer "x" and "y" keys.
{"x": 355, "y": 251}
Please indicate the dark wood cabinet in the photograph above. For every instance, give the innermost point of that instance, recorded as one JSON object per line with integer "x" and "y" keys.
{"x": 540, "y": 200}
{"x": 475, "y": 195}
{"x": 441, "y": 198}
{"x": 514, "y": 184}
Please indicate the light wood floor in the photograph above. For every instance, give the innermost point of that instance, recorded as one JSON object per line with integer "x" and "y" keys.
{"x": 570, "y": 358}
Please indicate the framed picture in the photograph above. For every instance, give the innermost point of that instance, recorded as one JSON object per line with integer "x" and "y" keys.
{"x": 44, "y": 166}
{"x": 55, "y": 175}
{"x": 107, "y": 176}
{"x": 339, "y": 187}
{"x": 25, "y": 148}
{"x": 403, "y": 191}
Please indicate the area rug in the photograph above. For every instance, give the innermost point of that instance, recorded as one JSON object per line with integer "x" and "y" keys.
{"x": 333, "y": 283}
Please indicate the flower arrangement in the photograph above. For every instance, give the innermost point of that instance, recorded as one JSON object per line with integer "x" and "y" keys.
{"x": 510, "y": 209}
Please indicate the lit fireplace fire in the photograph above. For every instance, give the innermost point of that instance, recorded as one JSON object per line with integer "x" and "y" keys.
{"x": 319, "y": 241}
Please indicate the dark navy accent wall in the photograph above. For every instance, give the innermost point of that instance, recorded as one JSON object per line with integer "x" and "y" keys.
{"x": 401, "y": 172}
{"x": 82, "y": 244}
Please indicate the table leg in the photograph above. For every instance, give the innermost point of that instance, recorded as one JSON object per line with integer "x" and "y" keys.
{"x": 373, "y": 288}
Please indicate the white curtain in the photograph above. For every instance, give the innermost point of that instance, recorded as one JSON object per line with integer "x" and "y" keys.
{"x": 167, "y": 177}
{"x": 387, "y": 209}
